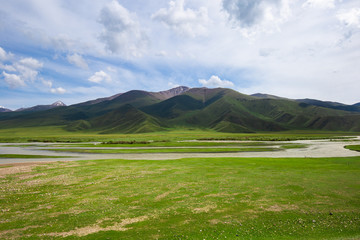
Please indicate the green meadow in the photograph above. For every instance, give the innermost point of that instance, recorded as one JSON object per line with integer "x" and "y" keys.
{"x": 229, "y": 198}
{"x": 59, "y": 134}
{"x": 353, "y": 147}
{"x": 195, "y": 198}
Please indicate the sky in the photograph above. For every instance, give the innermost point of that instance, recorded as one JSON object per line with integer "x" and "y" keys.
{"x": 81, "y": 50}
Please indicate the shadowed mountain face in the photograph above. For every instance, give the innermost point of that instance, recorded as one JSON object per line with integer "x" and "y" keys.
{"x": 333, "y": 105}
{"x": 3, "y": 109}
{"x": 220, "y": 109}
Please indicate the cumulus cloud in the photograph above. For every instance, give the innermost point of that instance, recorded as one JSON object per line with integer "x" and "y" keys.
{"x": 23, "y": 71}
{"x": 100, "y": 77}
{"x": 350, "y": 18}
{"x": 28, "y": 68}
{"x": 3, "y": 54}
{"x": 8, "y": 68}
{"x": 215, "y": 81}
{"x": 319, "y": 3}
{"x": 122, "y": 33}
{"x": 58, "y": 90}
{"x": 187, "y": 21}
{"x": 77, "y": 60}
{"x": 13, "y": 80}
{"x": 257, "y": 15}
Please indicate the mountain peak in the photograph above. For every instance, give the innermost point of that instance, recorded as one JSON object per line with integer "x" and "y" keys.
{"x": 172, "y": 92}
{"x": 58, "y": 104}
{"x": 4, "y": 109}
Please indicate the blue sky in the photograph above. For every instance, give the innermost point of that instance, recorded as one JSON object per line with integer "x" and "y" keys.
{"x": 76, "y": 51}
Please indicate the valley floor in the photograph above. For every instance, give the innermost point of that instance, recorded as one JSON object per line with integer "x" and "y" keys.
{"x": 72, "y": 152}
{"x": 305, "y": 189}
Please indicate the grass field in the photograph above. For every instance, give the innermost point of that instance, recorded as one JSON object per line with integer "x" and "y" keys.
{"x": 230, "y": 198}
{"x": 353, "y": 147}
{"x": 58, "y": 134}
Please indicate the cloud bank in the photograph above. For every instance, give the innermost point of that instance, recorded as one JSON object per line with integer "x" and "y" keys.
{"x": 184, "y": 21}
{"x": 122, "y": 33}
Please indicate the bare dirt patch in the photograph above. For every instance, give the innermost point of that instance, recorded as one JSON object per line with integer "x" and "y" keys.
{"x": 16, "y": 168}
{"x": 205, "y": 209}
{"x": 28, "y": 176}
{"x": 121, "y": 226}
{"x": 17, "y": 231}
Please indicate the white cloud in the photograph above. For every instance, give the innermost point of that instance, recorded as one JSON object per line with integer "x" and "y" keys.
{"x": 3, "y": 54}
{"x": 58, "y": 90}
{"x": 8, "y": 68}
{"x": 122, "y": 33}
{"x": 13, "y": 80}
{"x": 24, "y": 70}
{"x": 319, "y": 4}
{"x": 47, "y": 83}
{"x": 161, "y": 54}
{"x": 111, "y": 69}
{"x": 215, "y": 81}
{"x": 28, "y": 68}
{"x": 77, "y": 60}
{"x": 99, "y": 77}
{"x": 350, "y": 17}
{"x": 31, "y": 63}
{"x": 186, "y": 22}
{"x": 257, "y": 15}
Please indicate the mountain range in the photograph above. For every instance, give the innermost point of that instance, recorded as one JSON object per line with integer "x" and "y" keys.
{"x": 41, "y": 107}
{"x": 219, "y": 109}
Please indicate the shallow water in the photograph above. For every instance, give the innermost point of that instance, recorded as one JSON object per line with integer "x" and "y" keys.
{"x": 315, "y": 149}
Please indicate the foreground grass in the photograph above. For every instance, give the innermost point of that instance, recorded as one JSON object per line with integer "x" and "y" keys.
{"x": 230, "y": 198}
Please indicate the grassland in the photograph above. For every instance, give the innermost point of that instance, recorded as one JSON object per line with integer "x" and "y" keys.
{"x": 58, "y": 134}
{"x": 230, "y": 198}
{"x": 353, "y": 147}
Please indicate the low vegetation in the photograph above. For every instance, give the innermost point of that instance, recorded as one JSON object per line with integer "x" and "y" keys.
{"x": 353, "y": 147}
{"x": 228, "y": 198}
{"x": 59, "y": 135}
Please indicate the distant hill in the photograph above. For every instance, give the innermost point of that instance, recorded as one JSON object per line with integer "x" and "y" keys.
{"x": 3, "y": 109}
{"x": 99, "y": 100}
{"x": 219, "y": 109}
{"x": 41, "y": 107}
{"x": 333, "y": 105}
{"x": 262, "y": 95}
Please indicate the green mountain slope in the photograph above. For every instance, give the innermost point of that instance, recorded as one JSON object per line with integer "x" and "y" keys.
{"x": 333, "y": 105}
{"x": 220, "y": 109}
{"x": 126, "y": 119}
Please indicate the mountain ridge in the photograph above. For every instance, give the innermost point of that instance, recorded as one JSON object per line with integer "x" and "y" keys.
{"x": 42, "y": 107}
{"x": 218, "y": 109}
